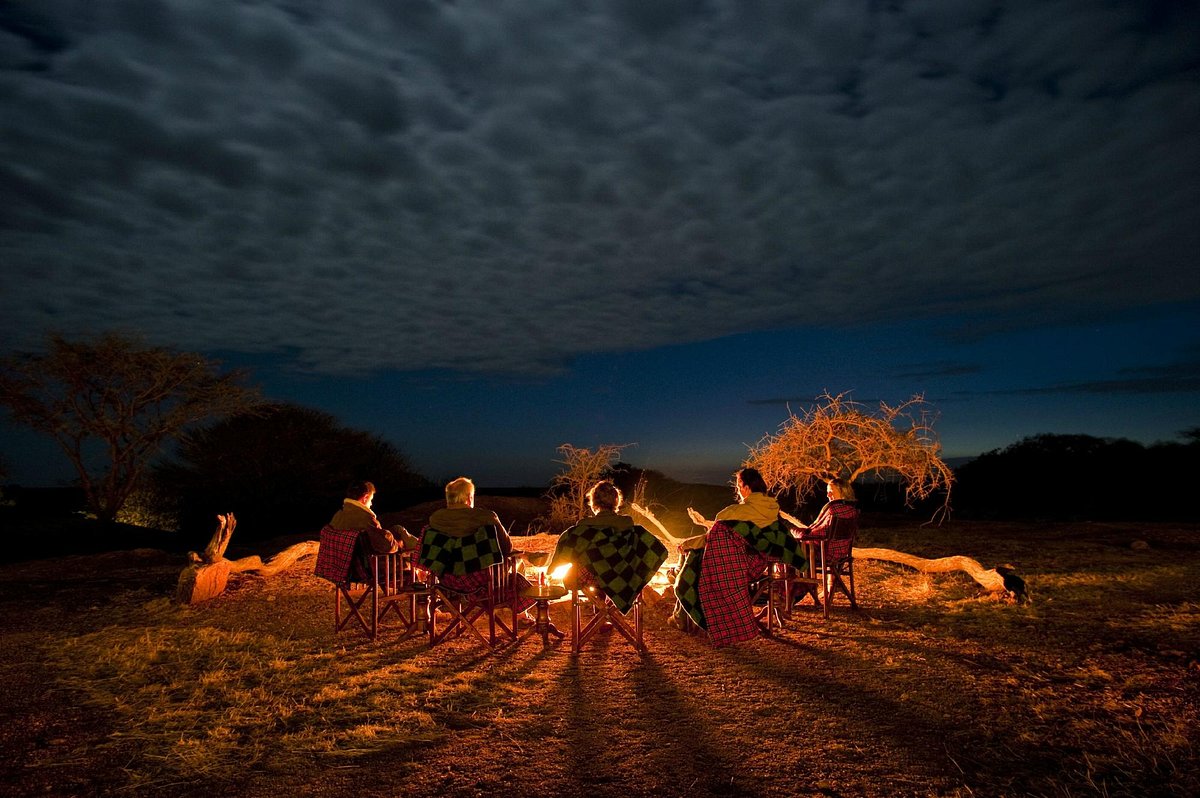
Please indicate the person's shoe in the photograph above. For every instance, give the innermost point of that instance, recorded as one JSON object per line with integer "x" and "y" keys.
{"x": 554, "y": 630}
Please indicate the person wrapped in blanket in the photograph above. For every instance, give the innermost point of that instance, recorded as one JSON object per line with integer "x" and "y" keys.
{"x": 460, "y": 518}
{"x": 608, "y": 552}
{"x": 840, "y": 505}
{"x": 712, "y": 586}
{"x": 356, "y": 514}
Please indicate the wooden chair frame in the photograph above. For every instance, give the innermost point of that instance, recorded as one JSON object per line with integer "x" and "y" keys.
{"x": 394, "y": 589}
{"x": 775, "y": 585}
{"x": 466, "y": 608}
{"x": 628, "y": 626}
{"x": 826, "y": 573}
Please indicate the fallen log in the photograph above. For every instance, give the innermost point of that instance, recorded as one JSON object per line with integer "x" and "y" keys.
{"x": 1001, "y": 579}
{"x": 207, "y": 574}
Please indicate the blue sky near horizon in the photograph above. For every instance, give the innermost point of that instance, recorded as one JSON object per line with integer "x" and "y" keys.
{"x": 483, "y": 229}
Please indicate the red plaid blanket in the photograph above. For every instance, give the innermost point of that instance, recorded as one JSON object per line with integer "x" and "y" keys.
{"x": 335, "y": 554}
{"x": 838, "y": 524}
{"x": 729, "y": 566}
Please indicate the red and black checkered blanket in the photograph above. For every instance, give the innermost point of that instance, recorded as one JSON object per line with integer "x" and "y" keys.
{"x": 713, "y": 585}
{"x": 338, "y": 556}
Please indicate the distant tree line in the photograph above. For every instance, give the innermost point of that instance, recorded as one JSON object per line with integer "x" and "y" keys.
{"x": 164, "y": 439}
{"x": 1082, "y": 477}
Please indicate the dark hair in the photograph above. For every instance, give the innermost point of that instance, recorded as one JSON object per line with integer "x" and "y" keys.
{"x": 753, "y": 480}
{"x": 359, "y": 489}
{"x": 604, "y": 495}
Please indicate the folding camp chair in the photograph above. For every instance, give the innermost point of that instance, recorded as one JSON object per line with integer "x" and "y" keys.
{"x": 379, "y": 584}
{"x": 832, "y": 564}
{"x": 471, "y": 579}
{"x": 611, "y": 567}
{"x": 604, "y": 612}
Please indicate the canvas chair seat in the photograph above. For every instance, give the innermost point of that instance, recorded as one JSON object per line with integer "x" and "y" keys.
{"x": 471, "y": 580}
{"x": 374, "y": 587}
{"x": 610, "y": 569}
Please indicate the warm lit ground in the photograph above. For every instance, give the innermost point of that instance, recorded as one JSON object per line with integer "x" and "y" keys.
{"x": 931, "y": 688}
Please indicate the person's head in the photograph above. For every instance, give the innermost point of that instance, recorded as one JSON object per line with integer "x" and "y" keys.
{"x": 363, "y": 492}
{"x": 839, "y": 488}
{"x": 604, "y": 495}
{"x": 748, "y": 480}
{"x": 460, "y": 493}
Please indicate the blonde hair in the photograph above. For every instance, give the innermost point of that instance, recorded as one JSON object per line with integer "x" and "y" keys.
{"x": 841, "y": 489}
{"x": 460, "y": 492}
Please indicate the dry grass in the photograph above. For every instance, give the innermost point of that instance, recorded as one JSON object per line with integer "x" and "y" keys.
{"x": 931, "y": 688}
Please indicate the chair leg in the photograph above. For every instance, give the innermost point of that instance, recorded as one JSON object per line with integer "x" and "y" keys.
{"x": 576, "y": 609}
{"x": 850, "y": 571}
{"x": 353, "y": 611}
{"x": 637, "y": 625}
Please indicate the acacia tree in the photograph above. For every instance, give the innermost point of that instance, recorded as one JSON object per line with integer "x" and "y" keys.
{"x": 117, "y": 398}
{"x": 838, "y": 438}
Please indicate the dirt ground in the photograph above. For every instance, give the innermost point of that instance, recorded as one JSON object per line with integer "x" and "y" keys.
{"x": 930, "y": 688}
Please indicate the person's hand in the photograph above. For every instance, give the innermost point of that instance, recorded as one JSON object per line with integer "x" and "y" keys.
{"x": 697, "y": 518}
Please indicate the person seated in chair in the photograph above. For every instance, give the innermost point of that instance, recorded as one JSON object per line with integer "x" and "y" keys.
{"x": 460, "y": 518}
{"x": 753, "y": 504}
{"x": 712, "y": 586}
{"x": 356, "y": 513}
{"x": 605, "y": 528}
{"x": 840, "y": 505}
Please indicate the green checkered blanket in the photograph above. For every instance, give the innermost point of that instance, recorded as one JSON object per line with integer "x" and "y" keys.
{"x": 458, "y": 556}
{"x": 621, "y": 561}
{"x": 774, "y": 542}
{"x": 687, "y": 586}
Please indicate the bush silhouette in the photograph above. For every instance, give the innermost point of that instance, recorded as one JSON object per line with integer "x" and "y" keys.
{"x": 283, "y": 470}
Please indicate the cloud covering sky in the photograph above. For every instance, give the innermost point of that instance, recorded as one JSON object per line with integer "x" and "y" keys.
{"x": 349, "y": 192}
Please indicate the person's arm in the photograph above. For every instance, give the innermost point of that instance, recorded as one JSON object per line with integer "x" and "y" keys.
{"x": 699, "y": 520}
{"x": 382, "y": 541}
{"x": 793, "y": 520}
{"x": 820, "y": 527}
{"x": 405, "y": 538}
{"x": 502, "y": 536}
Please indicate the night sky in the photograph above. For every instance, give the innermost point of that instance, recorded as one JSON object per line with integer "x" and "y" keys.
{"x": 483, "y": 229}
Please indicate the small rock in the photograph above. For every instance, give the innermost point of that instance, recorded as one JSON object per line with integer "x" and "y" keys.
{"x": 1139, "y": 545}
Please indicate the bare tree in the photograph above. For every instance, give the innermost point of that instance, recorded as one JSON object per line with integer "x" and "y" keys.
{"x": 116, "y": 397}
{"x": 838, "y": 437}
{"x": 568, "y": 490}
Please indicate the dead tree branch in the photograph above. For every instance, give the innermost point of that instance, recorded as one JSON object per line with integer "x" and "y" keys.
{"x": 207, "y": 574}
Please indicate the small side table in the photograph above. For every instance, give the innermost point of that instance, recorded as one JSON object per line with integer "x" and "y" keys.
{"x": 542, "y": 595}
